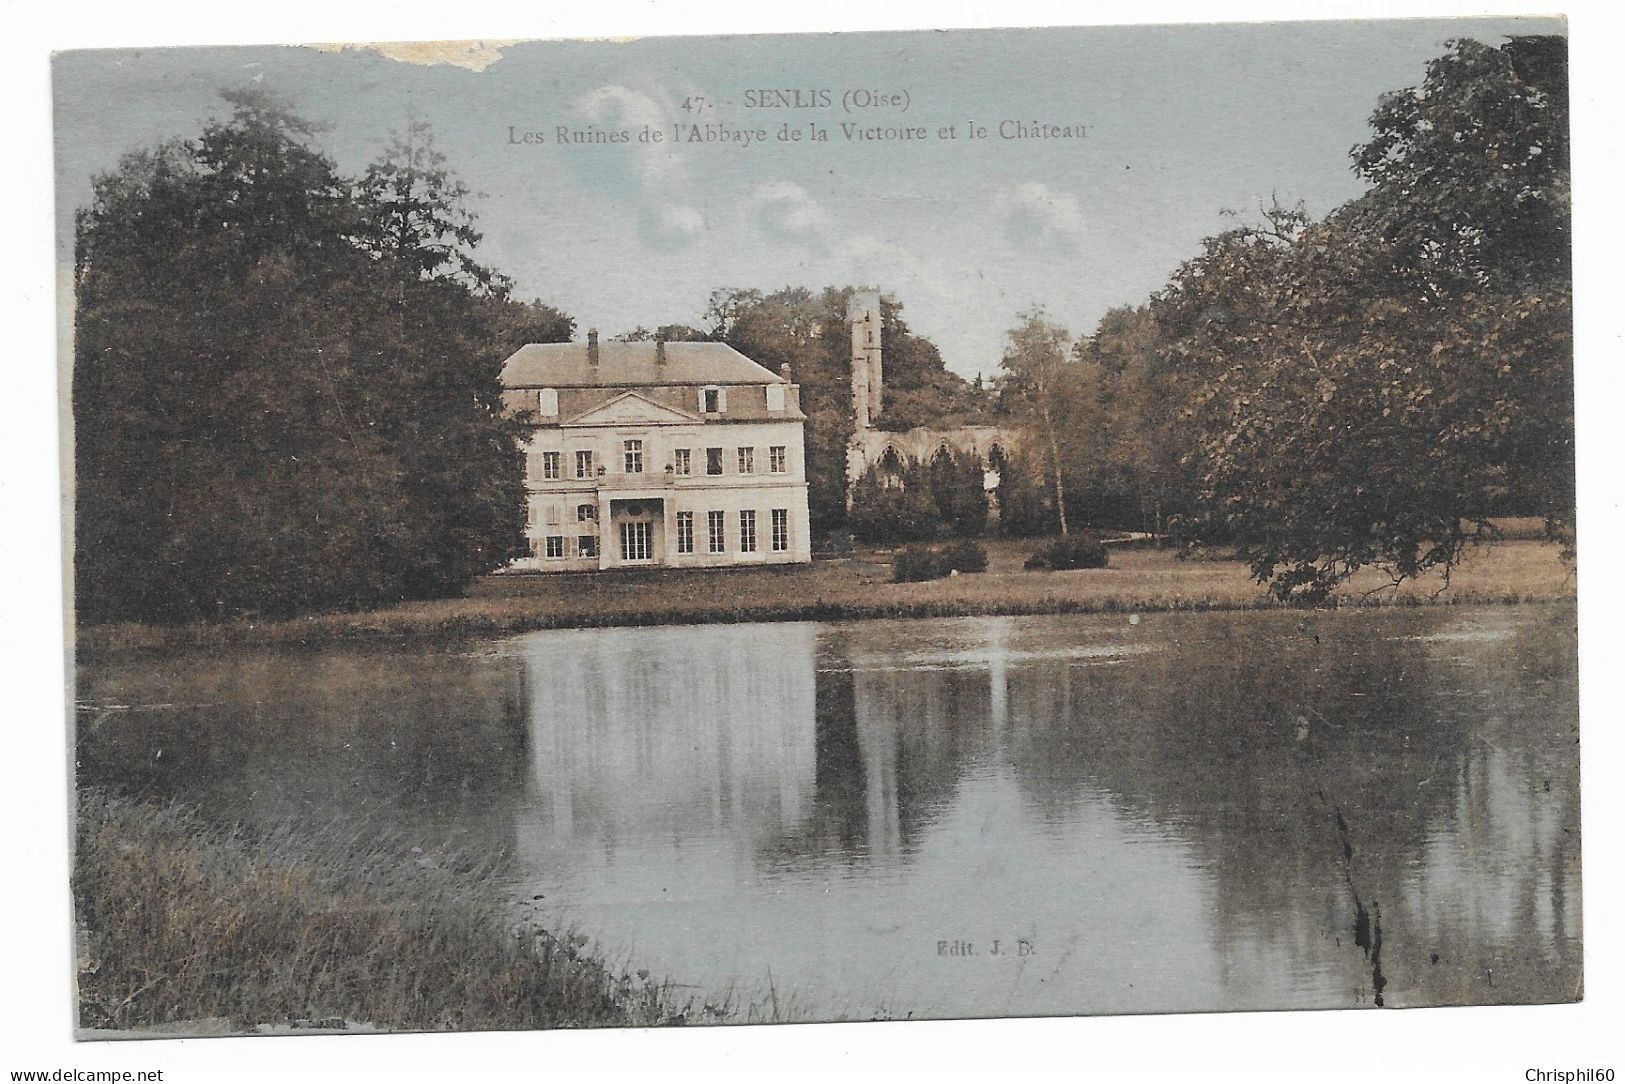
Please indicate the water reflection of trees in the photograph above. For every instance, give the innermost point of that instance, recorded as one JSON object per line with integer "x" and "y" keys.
{"x": 1247, "y": 735}
{"x": 424, "y": 749}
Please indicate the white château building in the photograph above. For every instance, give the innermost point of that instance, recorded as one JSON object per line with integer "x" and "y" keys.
{"x": 657, "y": 454}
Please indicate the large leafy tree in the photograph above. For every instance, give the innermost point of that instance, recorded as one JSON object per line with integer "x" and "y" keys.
{"x": 285, "y": 381}
{"x": 1380, "y": 384}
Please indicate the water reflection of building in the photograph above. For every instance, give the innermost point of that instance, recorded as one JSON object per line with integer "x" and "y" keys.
{"x": 656, "y": 732}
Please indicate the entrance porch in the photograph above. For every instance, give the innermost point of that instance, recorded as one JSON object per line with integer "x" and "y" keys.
{"x": 636, "y": 531}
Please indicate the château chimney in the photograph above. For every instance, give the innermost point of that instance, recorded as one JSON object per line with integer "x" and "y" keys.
{"x": 784, "y": 371}
{"x": 592, "y": 346}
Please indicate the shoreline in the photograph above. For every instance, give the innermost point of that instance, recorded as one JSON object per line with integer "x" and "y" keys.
{"x": 850, "y": 589}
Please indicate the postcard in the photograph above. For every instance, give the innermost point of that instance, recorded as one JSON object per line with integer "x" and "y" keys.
{"x": 793, "y": 528}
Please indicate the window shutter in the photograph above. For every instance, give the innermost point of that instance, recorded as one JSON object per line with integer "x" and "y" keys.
{"x": 775, "y": 397}
{"x": 722, "y": 400}
{"x": 549, "y": 402}
{"x": 701, "y": 405}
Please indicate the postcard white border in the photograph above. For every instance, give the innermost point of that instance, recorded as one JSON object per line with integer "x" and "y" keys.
{"x": 34, "y": 1022}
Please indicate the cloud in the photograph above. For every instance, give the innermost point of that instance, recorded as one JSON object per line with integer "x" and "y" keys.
{"x": 474, "y": 55}
{"x": 656, "y": 183}
{"x": 1034, "y": 213}
{"x": 785, "y": 212}
{"x": 894, "y": 268}
{"x": 671, "y": 227}
{"x": 613, "y": 107}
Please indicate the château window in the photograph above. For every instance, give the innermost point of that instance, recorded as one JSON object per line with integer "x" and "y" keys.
{"x": 586, "y": 513}
{"x": 634, "y": 456}
{"x": 555, "y": 545}
{"x": 775, "y": 459}
{"x": 685, "y": 532}
{"x": 548, "y": 404}
{"x": 584, "y": 464}
{"x": 713, "y": 461}
{"x": 587, "y": 545}
{"x": 681, "y": 462}
{"x": 550, "y": 466}
{"x": 712, "y": 400}
{"x": 715, "y": 540}
{"x": 775, "y": 397}
{"x": 747, "y": 461}
{"x": 747, "y": 531}
{"x": 781, "y": 530}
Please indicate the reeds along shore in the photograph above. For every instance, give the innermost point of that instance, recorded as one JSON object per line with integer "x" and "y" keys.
{"x": 180, "y": 921}
{"x": 1147, "y": 581}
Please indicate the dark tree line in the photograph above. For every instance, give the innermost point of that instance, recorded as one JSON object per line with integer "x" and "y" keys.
{"x": 285, "y": 389}
{"x": 1370, "y": 388}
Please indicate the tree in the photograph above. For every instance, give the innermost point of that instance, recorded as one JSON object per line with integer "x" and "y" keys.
{"x": 957, "y": 491}
{"x": 1025, "y": 506}
{"x": 1035, "y": 360}
{"x": 884, "y": 510}
{"x": 1470, "y": 172}
{"x": 919, "y": 389}
{"x": 513, "y": 324}
{"x": 1379, "y": 384}
{"x": 724, "y": 309}
{"x": 1143, "y": 433}
{"x": 285, "y": 381}
{"x": 415, "y": 211}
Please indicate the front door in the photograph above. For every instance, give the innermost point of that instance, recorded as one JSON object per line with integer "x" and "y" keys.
{"x": 637, "y": 541}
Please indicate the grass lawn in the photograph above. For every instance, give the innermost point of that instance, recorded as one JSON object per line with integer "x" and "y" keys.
{"x": 858, "y": 587}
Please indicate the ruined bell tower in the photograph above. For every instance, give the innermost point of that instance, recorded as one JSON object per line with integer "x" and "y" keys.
{"x": 870, "y": 448}
{"x": 863, "y": 315}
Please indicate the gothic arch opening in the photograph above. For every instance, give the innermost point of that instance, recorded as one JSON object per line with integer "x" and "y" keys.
{"x": 993, "y": 468}
{"x": 890, "y": 469}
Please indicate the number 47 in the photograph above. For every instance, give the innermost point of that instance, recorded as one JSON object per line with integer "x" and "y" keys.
{"x": 693, "y": 104}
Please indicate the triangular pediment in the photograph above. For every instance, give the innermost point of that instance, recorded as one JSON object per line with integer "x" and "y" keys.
{"x": 630, "y": 408}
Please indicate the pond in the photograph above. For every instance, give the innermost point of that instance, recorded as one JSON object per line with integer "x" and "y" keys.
{"x": 954, "y": 817}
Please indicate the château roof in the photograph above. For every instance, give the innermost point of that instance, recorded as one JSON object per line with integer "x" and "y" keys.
{"x": 630, "y": 365}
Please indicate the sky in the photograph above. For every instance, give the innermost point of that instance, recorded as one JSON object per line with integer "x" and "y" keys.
{"x": 1183, "y": 128}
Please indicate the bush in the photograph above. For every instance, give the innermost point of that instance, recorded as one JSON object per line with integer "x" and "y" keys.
{"x": 1077, "y": 551}
{"x": 891, "y": 513}
{"x": 963, "y": 555}
{"x": 914, "y": 563}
